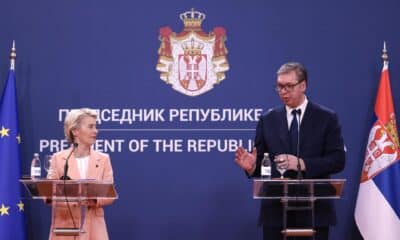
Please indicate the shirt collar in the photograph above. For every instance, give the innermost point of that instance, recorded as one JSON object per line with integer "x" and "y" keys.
{"x": 302, "y": 107}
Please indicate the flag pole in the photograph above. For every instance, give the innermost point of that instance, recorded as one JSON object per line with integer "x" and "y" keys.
{"x": 13, "y": 56}
{"x": 385, "y": 56}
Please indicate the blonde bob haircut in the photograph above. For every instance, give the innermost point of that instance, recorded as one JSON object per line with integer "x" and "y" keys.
{"x": 73, "y": 120}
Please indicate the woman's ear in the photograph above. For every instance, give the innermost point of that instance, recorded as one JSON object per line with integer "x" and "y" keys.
{"x": 74, "y": 133}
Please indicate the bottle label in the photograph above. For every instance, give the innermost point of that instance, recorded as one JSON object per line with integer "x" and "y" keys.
{"x": 266, "y": 171}
{"x": 35, "y": 172}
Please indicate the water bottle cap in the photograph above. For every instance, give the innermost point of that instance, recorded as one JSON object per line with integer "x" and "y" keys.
{"x": 36, "y": 154}
{"x": 266, "y": 154}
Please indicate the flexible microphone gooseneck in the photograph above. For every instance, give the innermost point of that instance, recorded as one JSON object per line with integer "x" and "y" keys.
{"x": 65, "y": 176}
{"x": 299, "y": 175}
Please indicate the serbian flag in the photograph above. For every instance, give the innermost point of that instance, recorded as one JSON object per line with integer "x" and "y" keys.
{"x": 377, "y": 212}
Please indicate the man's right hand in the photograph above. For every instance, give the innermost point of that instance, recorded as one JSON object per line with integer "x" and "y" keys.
{"x": 246, "y": 160}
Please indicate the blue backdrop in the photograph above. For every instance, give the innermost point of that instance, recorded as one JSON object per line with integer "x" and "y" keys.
{"x": 103, "y": 54}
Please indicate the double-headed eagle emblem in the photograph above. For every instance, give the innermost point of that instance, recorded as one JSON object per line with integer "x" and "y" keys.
{"x": 192, "y": 61}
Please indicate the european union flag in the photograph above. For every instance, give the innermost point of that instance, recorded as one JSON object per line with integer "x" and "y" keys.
{"x": 12, "y": 224}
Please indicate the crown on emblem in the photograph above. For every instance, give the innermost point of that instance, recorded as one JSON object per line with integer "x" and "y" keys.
{"x": 192, "y": 47}
{"x": 192, "y": 18}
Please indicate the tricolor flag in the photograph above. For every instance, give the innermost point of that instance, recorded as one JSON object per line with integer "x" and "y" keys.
{"x": 12, "y": 224}
{"x": 377, "y": 212}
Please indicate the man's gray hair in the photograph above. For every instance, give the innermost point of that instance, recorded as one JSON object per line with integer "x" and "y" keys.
{"x": 296, "y": 67}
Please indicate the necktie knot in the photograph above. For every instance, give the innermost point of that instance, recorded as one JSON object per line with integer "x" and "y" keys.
{"x": 296, "y": 112}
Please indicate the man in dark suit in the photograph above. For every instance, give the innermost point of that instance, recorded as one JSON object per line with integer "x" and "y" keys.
{"x": 318, "y": 148}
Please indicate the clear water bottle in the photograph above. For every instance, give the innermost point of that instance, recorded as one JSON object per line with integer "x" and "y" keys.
{"x": 35, "y": 167}
{"x": 266, "y": 167}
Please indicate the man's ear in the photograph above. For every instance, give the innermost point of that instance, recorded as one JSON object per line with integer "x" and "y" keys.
{"x": 303, "y": 86}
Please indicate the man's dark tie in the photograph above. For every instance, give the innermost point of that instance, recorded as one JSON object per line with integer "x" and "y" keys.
{"x": 294, "y": 131}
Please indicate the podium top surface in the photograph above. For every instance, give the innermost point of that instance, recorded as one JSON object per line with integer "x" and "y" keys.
{"x": 301, "y": 181}
{"x": 294, "y": 189}
{"x": 81, "y": 189}
{"x": 73, "y": 181}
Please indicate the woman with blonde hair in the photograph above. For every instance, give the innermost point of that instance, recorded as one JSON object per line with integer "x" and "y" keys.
{"x": 83, "y": 163}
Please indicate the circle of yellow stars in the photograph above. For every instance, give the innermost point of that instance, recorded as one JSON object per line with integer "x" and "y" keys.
{"x": 4, "y": 133}
{"x": 5, "y": 210}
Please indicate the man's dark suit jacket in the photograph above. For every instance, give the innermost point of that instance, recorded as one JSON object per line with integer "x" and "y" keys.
{"x": 321, "y": 148}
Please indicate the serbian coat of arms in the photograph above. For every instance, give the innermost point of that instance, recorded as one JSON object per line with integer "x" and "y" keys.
{"x": 192, "y": 61}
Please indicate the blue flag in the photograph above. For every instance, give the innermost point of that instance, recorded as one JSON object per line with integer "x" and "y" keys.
{"x": 12, "y": 223}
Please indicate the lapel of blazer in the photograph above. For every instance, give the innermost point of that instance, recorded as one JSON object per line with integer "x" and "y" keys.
{"x": 73, "y": 171}
{"x": 93, "y": 165}
{"x": 283, "y": 129}
{"x": 306, "y": 124}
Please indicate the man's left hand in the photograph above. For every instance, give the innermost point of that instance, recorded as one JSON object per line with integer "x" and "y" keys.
{"x": 289, "y": 161}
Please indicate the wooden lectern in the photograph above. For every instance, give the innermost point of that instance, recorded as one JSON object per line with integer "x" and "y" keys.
{"x": 70, "y": 196}
{"x": 291, "y": 192}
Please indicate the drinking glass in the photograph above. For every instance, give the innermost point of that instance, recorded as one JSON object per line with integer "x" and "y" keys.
{"x": 47, "y": 163}
{"x": 280, "y": 168}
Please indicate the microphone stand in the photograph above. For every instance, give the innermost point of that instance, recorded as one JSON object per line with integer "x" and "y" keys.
{"x": 299, "y": 175}
{"x": 65, "y": 176}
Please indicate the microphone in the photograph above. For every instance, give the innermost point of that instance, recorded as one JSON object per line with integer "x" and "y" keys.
{"x": 299, "y": 175}
{"x": 65, "y": 176}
